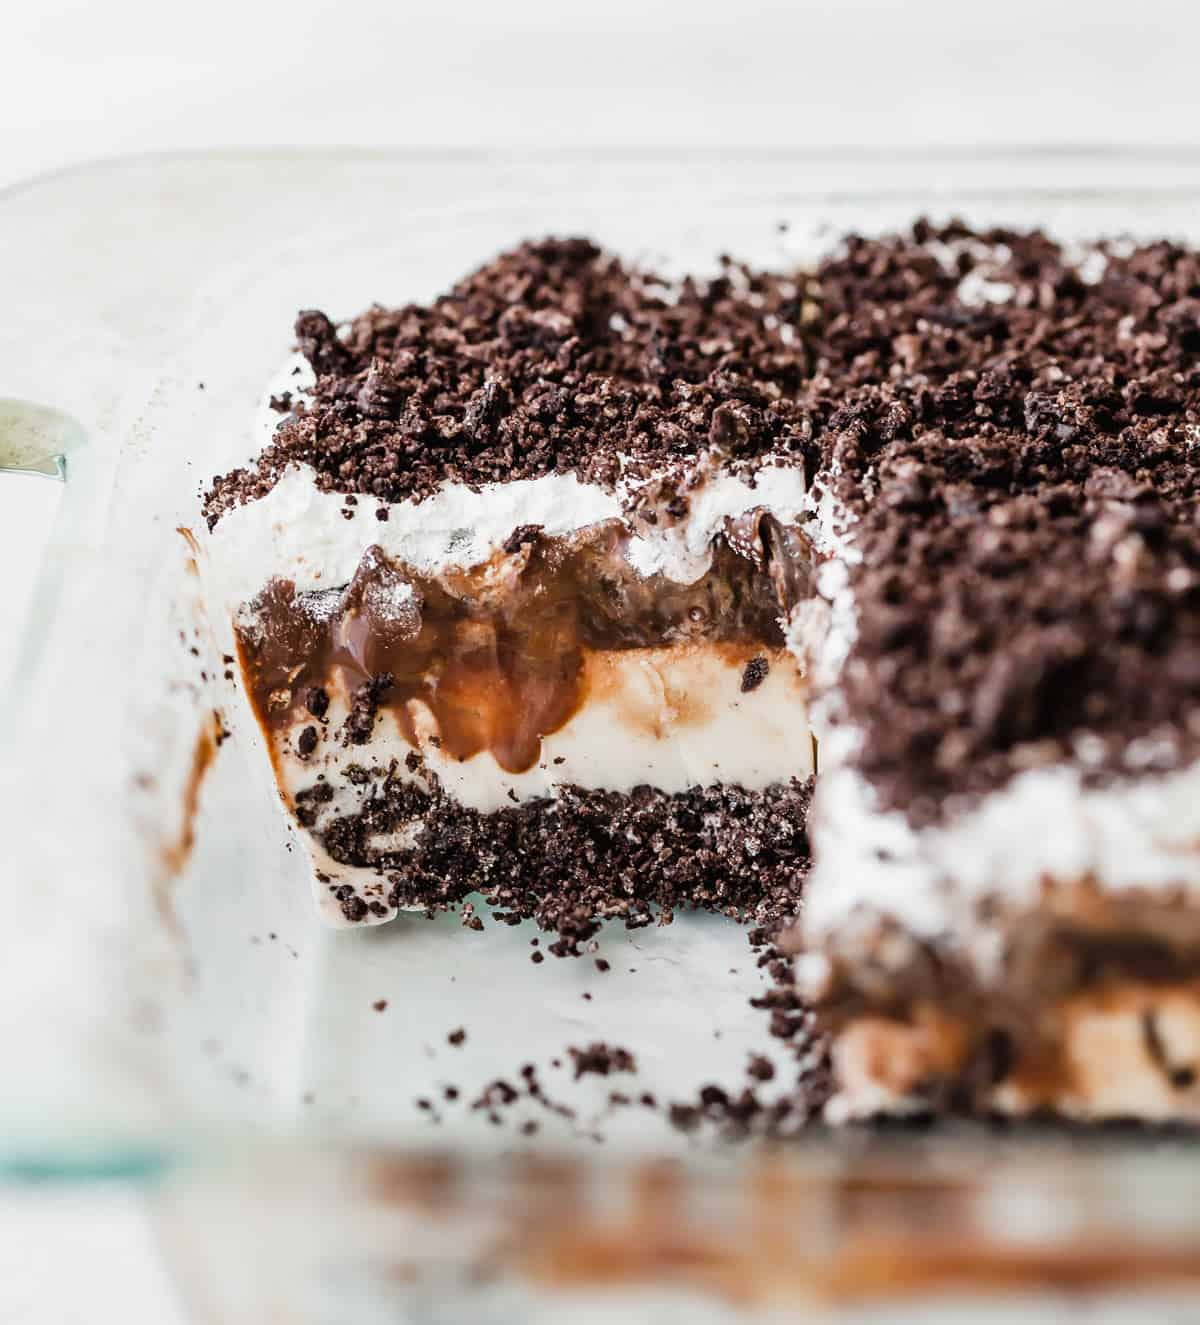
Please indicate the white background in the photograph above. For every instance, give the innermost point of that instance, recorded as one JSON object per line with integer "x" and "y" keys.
{"x": 87, "y": 80}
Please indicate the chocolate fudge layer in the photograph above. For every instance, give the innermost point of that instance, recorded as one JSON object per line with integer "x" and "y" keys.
{"x": 536, "y": 541}
{"x": 1007, "y": 824}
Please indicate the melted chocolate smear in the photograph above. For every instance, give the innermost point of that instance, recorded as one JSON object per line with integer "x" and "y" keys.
{"x": 496, "y": 653}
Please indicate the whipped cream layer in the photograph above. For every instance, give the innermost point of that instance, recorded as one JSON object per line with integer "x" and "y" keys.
{"x": 1043, "y": 827}
{"x": 316, "y": 540}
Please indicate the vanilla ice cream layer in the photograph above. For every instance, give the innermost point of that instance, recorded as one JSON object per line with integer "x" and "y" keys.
{"x": 670, "y": 718}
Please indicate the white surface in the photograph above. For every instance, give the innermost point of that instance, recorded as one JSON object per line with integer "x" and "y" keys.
{"x": 84, "y": 81}
{"x": 79, "y": 1257}
{"x": 27, "y": 506}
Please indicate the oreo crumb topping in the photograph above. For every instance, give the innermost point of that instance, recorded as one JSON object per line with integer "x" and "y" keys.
{"x": 755, "y": 674}
{"x": 1012, "y": 431}
{"x": 553, "y": 358}
{"x": 601, "y": 1059}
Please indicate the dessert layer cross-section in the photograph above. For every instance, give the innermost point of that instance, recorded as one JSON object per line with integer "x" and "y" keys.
{"x": 511, "y": 582}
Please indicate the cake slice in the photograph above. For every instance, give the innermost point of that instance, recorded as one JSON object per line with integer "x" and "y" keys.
{"x": 1003, "y": 909}
{"x": 509, "y": 585}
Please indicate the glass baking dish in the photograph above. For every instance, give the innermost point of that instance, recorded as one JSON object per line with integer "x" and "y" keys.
{"x": 172, "y": 1007}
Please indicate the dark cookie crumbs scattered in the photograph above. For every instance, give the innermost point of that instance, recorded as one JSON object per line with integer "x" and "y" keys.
{"x": 601, "y": 1059}
{"x": 754, "y": 674}
{"x": 761, "y": 1069}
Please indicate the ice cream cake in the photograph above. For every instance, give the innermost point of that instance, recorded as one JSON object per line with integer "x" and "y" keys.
{"x": 576, "y": 574}
{"x": 511, "y": 580}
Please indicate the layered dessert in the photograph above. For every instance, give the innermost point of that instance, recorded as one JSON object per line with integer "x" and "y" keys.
{"x": 1003, "y": 910}
{"x": 563, "y": 585}
{"x": 510, "y": 584}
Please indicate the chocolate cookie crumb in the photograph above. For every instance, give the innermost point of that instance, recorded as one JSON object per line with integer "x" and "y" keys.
{"x": 354, "y": 908}
{"x": 755, "y": 674}
{"x": 601, "y": 1059}
{"x": 760, "y": 1068}
{"x": 523, "y": 536}
{"x": 684, "y": 1117}
{"x": 364, "y": 704}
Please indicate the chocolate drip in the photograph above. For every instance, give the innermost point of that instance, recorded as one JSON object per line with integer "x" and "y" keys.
{"x": 497, "y": 652}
